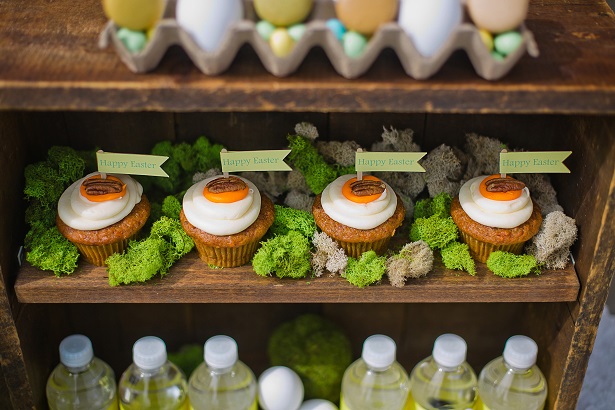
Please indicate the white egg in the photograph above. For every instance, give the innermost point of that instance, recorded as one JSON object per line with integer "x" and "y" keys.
{"x": 429, "y": 23}
{"x": 208, "y": 21}
{"x": 280, "y": 388}
{"x": 318, "y": 404}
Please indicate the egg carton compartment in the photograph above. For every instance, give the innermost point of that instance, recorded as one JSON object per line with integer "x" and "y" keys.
{"x": 465, "y": 37}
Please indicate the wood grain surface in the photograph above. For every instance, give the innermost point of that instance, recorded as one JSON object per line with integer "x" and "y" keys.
{"x": 51, "y": 61}
{"x": 191, "y": 281}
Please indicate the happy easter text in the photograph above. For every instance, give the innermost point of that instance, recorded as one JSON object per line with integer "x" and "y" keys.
{"x": 125, "y": 164}
{"x": 526, "y": 163}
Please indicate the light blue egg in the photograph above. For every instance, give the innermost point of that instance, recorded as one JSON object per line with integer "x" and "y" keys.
{"x": 296, "y": 31}
{"x": 354, "y": 44}
{"x": 337, "y": 27}
{"x": 507, "y": 42}
{"x": 134, "y": 41}
{"x": 265, "y": 29}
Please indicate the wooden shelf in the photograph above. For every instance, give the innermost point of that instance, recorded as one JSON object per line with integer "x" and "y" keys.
{"x": 191, "y": 281}
{"x": 51, "y": 62}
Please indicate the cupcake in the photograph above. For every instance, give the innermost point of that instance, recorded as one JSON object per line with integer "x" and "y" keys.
{"x": 226, "y": 217}
{"x": 359, "y": 215}
{"x": 101, "y": 214}
{"x": 495, "y": 214}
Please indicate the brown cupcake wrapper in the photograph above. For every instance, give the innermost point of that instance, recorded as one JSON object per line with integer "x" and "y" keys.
{"x": 480, "y": 250}
{"x": 226, "y": 257}
{"x": 97, "y": 254}
{"x": 356, "y": 249}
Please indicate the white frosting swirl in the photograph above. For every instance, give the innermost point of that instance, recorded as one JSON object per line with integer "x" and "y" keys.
{"x": 489, "y": 212}
{"x": 78, "y": 212}
{"x": 353, "y": 214}
{"x": 221, "y": 218}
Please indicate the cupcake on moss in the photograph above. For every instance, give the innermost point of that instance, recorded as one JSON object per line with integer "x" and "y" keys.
{"x": 100, "y": 213}
{"x": 226, "y": 216}
{"x": 360, "y": 215}
{"x": 495, "y": 214}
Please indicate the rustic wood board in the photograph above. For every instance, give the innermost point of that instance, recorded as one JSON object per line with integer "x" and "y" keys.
{"x": 53, "y": 62}
{"x": 191, "y": 281}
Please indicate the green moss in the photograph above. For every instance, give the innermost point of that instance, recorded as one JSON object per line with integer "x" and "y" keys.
{"x": 440, "y": 205}
{"x": 508, "y": 265}
{"x": 51, "y": 251}
{"x": 366, "y": 270}
{"x": 68, "y": 162}
{"x": 148, "y": 257}
{"x": 436, "y": 231}
{"x": 43, "y": 182}
{"x": 207, "y": 154}
{"x": 288, "y": 256}
{"x": 187, "y": 358}
{"x": 317, "y": 350}
{"x": 171, "y": 207}
{"x": 457, "y": 256}
{"x": 290, "y": 219}
{"x": 305, "y": 157}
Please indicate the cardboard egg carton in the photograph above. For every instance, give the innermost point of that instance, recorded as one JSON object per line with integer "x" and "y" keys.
{"x": 317, "y": 34}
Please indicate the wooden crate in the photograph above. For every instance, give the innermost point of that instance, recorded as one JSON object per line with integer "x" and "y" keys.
{"x": 57, "y": 89}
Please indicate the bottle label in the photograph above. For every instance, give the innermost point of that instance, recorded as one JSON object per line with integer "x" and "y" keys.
{"x": 184, "y": 406}
{"x": 254, "y": 406}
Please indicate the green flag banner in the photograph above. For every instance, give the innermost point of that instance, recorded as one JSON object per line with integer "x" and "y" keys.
{"x": 389, "y": 161}
{"x": 135, "y": 164}
{"x": 534, "y": 162}
{"x": 238, "y": 161}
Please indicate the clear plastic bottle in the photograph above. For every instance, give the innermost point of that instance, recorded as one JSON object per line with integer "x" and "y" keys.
{"x": 222, "y": 382}
{"x": 376, "y": 380}
{"x": 81, "y": 381}
{"x": 151, "y": 381}
{"x": 513, "y": 381}
{"x": 444, "y": 380}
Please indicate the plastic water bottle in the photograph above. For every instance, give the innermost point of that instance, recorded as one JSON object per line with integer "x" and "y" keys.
{"x": 81, "y": 381}
{"x": 222, "y": 382}
{"x": 513, "y": 381}
{"x": 376, "y": 380}
{"x": 444, "y": 380}
{"x": 151, "y": 381}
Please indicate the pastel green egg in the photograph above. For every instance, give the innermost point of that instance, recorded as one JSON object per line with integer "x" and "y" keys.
{"x": 497, "y": 56}
{"x": 134, "y": 41}
{"x": 296, "y": 31}
{"x": 265, "y": 29}
{"x": 281, "y": 42}
{"x": 487, "y": 39}
{"x": 354, "y": 44}
{"x": 507, "y": 42}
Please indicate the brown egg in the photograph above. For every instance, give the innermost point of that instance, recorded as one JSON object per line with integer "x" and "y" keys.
{"x": 365, "y": 16}
{"x": 497, "y": 16}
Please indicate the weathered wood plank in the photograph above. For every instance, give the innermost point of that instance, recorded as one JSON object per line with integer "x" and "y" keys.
{"x": 55, "y": 64}
{"x": 191, "y": 281}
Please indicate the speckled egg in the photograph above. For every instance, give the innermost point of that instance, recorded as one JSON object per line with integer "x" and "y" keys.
{"x": 136, "y": 15}
{"x": 429, "y": 23}
{"x": 365, "y": 16}
{"x": 283, "y": 13}
{"x": 208, "y": 21}
{"x": 497, "y": 16}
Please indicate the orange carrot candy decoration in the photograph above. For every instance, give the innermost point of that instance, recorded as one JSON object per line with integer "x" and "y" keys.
{"x": 226, "y": 190}
{"x": 363, "y": 191}
{"x": 501, "y": 189}
{"x": 99, "y": 189}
